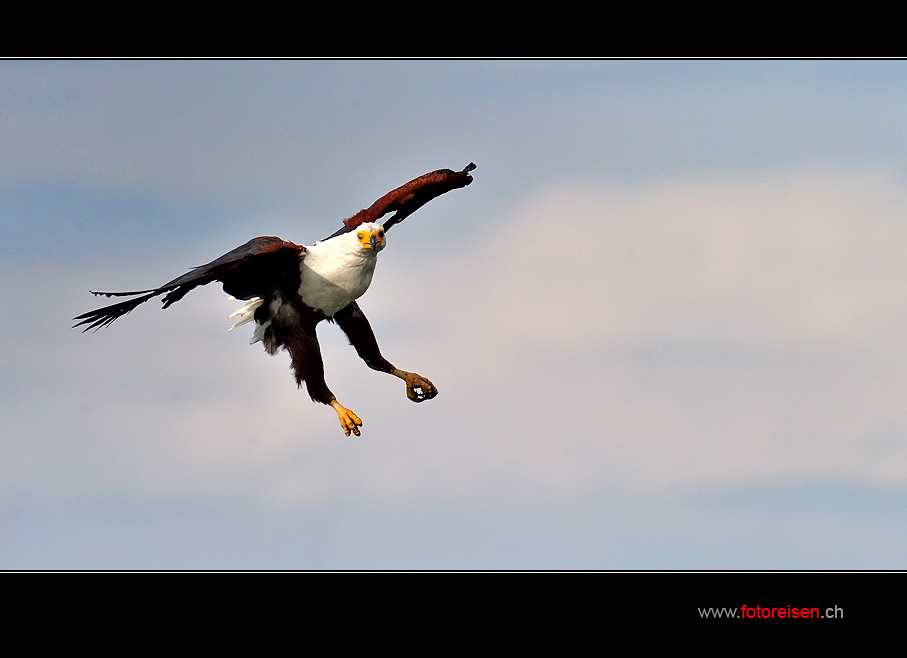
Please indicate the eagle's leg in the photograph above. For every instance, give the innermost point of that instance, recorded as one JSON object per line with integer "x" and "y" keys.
{"x": 356, "y": 327}
{"x": 308, "y": 366}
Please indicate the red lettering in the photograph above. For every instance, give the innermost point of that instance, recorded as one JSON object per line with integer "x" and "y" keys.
{"x": 760, "y": 612}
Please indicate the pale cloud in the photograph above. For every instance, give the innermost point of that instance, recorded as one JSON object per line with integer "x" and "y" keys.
{"x": 666, "y": 337}
{"x": 805, "y": 257}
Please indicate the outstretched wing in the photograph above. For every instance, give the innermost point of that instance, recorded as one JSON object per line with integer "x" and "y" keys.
{"x": 255, "y": 269}
{"x": 407, "y": 199}
{"x": 265, "y": 264}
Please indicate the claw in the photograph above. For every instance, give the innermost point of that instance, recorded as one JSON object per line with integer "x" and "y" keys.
{"x": 349, "y": 421}
{"x": 418, "y": 388}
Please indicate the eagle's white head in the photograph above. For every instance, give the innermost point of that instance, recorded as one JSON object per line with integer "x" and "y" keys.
{"x": 370, "y": 236}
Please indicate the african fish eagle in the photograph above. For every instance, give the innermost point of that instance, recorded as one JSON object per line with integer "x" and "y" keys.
{"x": 289, "y": 289}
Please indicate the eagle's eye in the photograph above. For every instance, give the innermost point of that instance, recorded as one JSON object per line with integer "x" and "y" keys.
{"x": 359, "y": 235}
{"x": 380, "y": 234}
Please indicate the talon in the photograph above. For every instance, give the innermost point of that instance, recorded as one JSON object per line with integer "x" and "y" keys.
{"x": 349, "y": 421}
{"x": 418, "y": 388}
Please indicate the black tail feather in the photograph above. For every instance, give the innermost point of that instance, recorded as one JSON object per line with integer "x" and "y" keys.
{"x": 102, "y": 317}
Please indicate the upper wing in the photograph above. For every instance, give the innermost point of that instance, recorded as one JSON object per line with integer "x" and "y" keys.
{"x": 255, "y": 269}
{"x": 408, "y": 198}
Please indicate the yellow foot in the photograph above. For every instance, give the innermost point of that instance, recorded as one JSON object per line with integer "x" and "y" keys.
{"x": 349, "y": 421}
{"x": 418, "y": 389}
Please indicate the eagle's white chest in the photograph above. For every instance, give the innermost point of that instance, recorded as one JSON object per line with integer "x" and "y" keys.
{"x": 333, "y": 275}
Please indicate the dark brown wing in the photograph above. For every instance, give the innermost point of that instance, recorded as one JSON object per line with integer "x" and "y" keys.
{"x": 255, "y": 269}
{"x": 408, "y": 198}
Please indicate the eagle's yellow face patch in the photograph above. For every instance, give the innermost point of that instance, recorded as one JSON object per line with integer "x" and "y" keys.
{"x": 365, "y": 238}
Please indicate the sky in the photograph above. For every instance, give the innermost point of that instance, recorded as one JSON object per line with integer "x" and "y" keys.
{"x": 666, "y": 320}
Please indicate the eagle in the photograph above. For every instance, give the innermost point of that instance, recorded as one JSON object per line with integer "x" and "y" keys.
{"x": 289, "y": 288}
